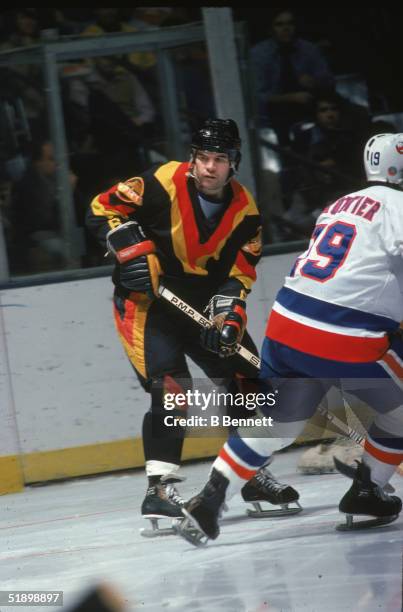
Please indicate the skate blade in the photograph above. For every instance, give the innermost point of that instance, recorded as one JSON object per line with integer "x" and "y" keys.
{"x": 156, "y": 531}
{"x": 349, "y": 525}
{"x": 189, "y": 529}
{"x": 285, "y": 510}
{"x": 315, "y": 471}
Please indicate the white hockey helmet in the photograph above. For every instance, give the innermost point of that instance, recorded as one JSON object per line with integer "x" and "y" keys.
{"x": 383, "y": 158}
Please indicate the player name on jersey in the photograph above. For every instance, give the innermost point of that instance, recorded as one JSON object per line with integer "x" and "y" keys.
{"x": 362, "y": 206}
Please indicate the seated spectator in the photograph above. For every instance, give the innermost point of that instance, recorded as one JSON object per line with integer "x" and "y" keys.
{"x": 24, "y": 80}
{"x": 142, "y": 64}
{"x": 116, "y": 111}
{"x": 340, "y": 127}
{"x": 36, "y": 224}
{"x": 288, "y": 72}
{"x": 333, "y": 142}
{"x": 315, "y": 189}
{"x": 194, "y": 84}
{"x": 109, "y": 20}
{"x": 24, "y": 29}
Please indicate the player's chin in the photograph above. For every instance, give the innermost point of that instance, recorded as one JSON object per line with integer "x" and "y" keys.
{"x": 209, "y": 185}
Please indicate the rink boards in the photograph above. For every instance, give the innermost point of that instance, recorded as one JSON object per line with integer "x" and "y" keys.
{"x": 69, "y": 402}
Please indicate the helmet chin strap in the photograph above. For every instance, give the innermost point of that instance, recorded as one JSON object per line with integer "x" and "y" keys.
{"x": 231, "y": 173}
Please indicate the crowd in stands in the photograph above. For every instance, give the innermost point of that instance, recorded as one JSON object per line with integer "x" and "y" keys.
{"x": 318, "y": 134}
{"x": 114, "y": 127}
{"x": 112, "y": 117}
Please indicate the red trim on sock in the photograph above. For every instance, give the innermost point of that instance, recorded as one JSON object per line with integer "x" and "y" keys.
{"x": 384, "y": 456}
{"x": 238, "y": 469}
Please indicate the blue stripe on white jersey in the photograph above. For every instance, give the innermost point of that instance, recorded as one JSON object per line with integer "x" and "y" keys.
{"x": 333, "y": 314}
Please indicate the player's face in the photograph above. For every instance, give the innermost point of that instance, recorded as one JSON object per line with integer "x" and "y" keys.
{"x": 211, "y": 171}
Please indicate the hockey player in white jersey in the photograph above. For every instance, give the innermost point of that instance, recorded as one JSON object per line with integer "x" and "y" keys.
{"x": 337, "y": 316}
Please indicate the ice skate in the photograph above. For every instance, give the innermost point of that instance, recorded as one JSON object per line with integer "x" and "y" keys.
{"x": 351, "y": 472}
{"x": 265, "y": 488}
{"x": 366, "y": 498}
{"x": 162, "y": 501}
{"x": 202, "y": 512}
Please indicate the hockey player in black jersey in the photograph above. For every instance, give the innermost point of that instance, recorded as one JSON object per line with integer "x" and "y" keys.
{"x": 195, "y": 226}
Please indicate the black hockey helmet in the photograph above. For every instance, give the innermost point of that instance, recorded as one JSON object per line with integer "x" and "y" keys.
{"x": 219, "y": 136}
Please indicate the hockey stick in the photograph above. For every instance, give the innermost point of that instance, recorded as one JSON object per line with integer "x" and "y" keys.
{"x": 349, "y": 432}
{"x": 346, "y": 429}
{"x": 196, "y": 316}
{"x": 255, "y": 361}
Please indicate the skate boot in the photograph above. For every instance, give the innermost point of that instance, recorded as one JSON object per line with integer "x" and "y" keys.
{"x": 351, "y": 472}
{"x": 162, "y": 501}
{"x": 202, "y": 511}
{"x": 263, "y": 487}
{"x": 366, "y": 498}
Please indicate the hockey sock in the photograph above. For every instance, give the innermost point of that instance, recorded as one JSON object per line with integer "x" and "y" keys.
{"x": 383, "y": 450}
{"x": 381, "y": 472}
{"x": 239, "y": 460}
{"x": 162, "y": 443}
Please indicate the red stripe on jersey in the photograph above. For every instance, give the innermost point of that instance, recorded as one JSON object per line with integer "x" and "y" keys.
{"x": 185, "y": 206}
{"x": 194, "y": 248}
{"x": 238, "y": 469}
{"x": 125, "y": 326}
{"x": 110, "y": 201}
{"x": 324, "y": 344}
{"x": 244, "y": 266}
{"x": 384, "y": 456}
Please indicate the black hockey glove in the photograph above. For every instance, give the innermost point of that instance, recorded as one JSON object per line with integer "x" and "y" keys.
{"x": 228, "y": 317}
{"x": 138, "y": 265}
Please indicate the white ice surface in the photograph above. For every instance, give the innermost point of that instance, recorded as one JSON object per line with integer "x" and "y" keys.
{"x": 71, "y": 535}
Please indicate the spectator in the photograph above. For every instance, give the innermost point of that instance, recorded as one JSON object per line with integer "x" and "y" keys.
{"x": 340, "y": 127}
{"x": 194, "y": 82}
{"x": 142, "y": 64}
{"x": 116, "y": 112}
{"x": 24, "y": 28}
{"x": 37, "y": 238}
{"x": 333, "y": 142}
{"x": 288, "y": 72}
{"x": 109, "y": 20}
{"x": 315, "y": 189}
{"x": 24, "y": 80}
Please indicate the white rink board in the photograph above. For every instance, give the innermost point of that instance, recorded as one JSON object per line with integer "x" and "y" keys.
{"x": 8, "y": 430}
{"x": 71, "y": 381}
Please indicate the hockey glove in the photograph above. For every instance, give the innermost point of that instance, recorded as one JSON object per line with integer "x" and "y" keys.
{"x": 228, "y": 317}
{"x": 138, "y": 265}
